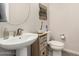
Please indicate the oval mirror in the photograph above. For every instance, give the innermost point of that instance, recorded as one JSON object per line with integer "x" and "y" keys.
{"x": 18, "y": 13}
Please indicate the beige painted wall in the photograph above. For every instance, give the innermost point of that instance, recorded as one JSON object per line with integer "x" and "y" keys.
{"x": 18, "y": 12}
{"x": 64, "y": 18}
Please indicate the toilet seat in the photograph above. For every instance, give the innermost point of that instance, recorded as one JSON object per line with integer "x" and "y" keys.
{"x": 56, "y": 45}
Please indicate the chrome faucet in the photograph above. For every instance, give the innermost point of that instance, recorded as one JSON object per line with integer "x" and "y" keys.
{"x": 19, "y": 31}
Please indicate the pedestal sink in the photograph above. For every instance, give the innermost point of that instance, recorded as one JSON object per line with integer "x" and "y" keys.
{"x": 20, "y": 43}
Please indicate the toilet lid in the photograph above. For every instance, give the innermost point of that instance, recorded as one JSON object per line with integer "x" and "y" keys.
{"x": 56, "y": 43}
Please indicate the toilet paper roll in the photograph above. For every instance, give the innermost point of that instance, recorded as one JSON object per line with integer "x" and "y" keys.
{"x": 62, "y": 36}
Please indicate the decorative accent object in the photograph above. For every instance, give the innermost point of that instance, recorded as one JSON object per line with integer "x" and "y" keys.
{"x": 42, "y": 12}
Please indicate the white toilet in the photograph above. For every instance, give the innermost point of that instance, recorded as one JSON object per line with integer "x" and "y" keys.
{"x": 56, "y": 47}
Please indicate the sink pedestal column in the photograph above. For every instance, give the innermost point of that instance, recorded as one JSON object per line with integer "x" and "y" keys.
{"x": 21, "y": 52}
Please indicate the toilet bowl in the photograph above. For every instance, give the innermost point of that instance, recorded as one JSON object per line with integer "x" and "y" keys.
{"x": 56, "y": 47}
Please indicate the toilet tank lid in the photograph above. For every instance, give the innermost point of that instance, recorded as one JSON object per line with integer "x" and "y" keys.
{"x": 56, "y": 43}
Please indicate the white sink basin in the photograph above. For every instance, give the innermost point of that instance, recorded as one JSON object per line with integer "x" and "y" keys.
{"x": 18, "y": 42}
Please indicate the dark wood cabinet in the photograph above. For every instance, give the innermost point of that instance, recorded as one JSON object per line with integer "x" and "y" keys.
{"x": 39, "y": 47}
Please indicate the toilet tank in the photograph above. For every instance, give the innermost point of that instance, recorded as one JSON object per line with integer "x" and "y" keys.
{"x": 48, "y": 36}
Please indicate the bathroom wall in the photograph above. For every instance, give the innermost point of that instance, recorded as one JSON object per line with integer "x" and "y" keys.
{"x": 31, "y": 25}
{"x": 64, "y": 19}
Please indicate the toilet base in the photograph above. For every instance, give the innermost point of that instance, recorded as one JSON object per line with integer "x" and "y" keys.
{"x": 57, "y": 53}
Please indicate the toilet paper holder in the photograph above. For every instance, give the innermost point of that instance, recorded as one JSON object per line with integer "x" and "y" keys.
{"x": 62, "y": 37}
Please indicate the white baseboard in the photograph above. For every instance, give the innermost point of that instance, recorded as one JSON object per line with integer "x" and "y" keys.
{"x": 71, "y": 51}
